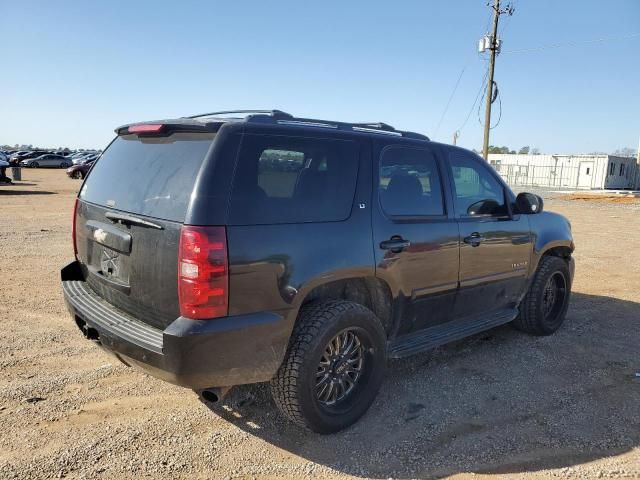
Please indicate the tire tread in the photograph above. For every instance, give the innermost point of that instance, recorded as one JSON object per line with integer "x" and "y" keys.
{"x": 529, "y": 320}
{"x": 313, "y": 316}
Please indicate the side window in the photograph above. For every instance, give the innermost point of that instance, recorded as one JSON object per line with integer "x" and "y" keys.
{"x": 476, "y": 190}
{"x": 409, "y": 182}
{"x": 283, "y": 179}
{"x": 278, "y": 171}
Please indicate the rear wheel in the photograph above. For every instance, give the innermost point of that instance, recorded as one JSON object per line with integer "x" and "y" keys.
{"x": 545, "y": 306}
{"x": 64, "y": 165}
{"x": 334, "y": 366}
{"x": 77, "y": 174}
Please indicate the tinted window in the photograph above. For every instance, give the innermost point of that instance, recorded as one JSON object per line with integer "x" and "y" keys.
{"x": 293, "y": 180}
{"x": 148, "y": 176}
{"x": 476, "y": 190}
{"x": 410, "y": 183}
{"x": 278, "y": 172}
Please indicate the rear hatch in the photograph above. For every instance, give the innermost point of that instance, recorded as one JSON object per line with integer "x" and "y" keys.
{"x": 128, "y": 219}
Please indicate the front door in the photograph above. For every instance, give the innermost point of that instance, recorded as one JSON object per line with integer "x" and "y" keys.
{"x": 415, "y": 237}
{"x": 495, "y": 246}
{"x": 585, "y": 175}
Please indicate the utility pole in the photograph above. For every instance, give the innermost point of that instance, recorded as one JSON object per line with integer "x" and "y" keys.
{"x": 493, "y": 47}
{"x": 636, "y": 184}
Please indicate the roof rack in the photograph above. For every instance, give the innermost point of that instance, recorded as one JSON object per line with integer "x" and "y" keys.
{"x": 284, "y": 118}
{"x": 246, "y": 113}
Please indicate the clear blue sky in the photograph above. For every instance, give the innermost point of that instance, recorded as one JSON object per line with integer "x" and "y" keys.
{"x": 72, "y": 71}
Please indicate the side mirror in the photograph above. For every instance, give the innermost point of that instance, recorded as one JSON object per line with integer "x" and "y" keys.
{"x": 529, "y": 203}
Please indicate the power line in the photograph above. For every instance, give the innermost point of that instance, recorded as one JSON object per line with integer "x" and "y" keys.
{"x": 446, "y": 108}
{"x": 498, "y": 97}
{"x": 473, "y": 105}
{"x": 455, "y": 88}
{"x": 572, "y": 44}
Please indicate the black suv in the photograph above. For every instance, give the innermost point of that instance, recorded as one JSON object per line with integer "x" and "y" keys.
{"x": 241, "y": 247}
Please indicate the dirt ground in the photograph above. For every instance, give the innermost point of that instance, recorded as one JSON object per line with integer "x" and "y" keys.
{"x": 499, "y": 404}
{"x": 600, "y": 198}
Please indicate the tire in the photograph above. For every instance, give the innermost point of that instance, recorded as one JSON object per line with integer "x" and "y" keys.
{"x": 294, "y": 387}
{"x": 78, "y": 175}
{"x": 34, "y": 164}
{"x": 537, "y": 316}
{"x": 64, "y": 165}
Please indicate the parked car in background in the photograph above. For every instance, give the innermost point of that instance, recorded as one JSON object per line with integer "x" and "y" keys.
{"x": 80, "y": 170}
{"x": 47, "y": 160}
{"x": 85, "y": 157}
{"x": 17, "y": 157}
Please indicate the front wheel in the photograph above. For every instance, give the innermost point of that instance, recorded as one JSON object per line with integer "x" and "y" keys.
{"x": 34, "y": 164}
{"x": 333, "y": 368}
{"x": 545, "y": 306}
{"x": 77, "y": 174}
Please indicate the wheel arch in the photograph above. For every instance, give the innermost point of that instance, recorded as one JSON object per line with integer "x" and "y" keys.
{"x": 552, "y": 236}
{"x": 369, "y": 291}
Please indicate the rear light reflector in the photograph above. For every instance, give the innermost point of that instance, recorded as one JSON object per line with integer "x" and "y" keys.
{"x": 148, "y": 128}
{"x": 73, "y": 229}
{"x": 203, "y": 272}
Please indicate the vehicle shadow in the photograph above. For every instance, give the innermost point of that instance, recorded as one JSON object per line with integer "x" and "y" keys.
{"x": 499, "y": 402}
{"x": 10, "y": 191}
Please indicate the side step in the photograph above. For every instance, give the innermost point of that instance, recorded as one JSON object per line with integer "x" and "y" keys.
{"x": 432, "y": 337}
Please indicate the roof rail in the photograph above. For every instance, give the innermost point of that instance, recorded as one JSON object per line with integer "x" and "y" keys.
{"x": 375, "y": 125}
{"x": 247, "y": 113}
{"x": 369, "y": 127}
{"x": 278, "y": 116}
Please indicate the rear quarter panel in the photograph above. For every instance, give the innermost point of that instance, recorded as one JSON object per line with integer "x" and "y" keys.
{"x": 274, "y": 267}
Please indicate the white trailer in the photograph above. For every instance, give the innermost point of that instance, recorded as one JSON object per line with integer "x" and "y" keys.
{"x": 568, "y": 171}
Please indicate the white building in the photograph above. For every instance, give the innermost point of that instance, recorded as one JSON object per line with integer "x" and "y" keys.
{"x": 568, "y": 171}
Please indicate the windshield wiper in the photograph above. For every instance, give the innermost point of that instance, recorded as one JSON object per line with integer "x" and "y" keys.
{"x": 131, "y": 220}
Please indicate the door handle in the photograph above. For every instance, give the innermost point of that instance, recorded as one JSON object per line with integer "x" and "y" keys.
{"x": 395, "y": 244}
{"x": 475, "y": 239}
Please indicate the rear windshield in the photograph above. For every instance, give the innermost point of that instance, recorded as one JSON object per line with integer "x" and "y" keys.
{"x": 282, "y": 179}
{"x": 148, "y": 176}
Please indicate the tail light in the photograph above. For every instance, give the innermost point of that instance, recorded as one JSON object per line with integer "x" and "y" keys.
{"x": 146, "y": 128}
{"x": 203, "y": 275}
{"x": 73, "y": 229}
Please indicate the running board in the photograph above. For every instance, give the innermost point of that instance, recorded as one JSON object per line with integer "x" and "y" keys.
{"x": 432, "y": 337}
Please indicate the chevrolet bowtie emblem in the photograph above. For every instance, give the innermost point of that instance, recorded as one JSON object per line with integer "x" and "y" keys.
{"x": 110, "y": 263}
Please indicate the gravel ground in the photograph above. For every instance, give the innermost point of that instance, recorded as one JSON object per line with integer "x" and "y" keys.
{"x": 500, "y": 403}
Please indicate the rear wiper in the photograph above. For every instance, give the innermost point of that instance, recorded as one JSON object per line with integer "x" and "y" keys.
{"x": 131, "y": 220}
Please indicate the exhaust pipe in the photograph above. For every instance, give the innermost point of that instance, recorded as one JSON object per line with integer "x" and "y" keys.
{"x": 88, "y": 332}
{"x": 214, "y": 394}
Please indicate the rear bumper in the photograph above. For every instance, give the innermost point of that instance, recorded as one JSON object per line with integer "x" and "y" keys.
{"x": 196, "y": 354}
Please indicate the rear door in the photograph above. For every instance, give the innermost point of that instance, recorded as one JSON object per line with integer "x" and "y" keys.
{"x": 51, "y": 161}
{"x": 415, "y": 235}
{"x": 130, "y": 211}
{"x": 495, "y": 246}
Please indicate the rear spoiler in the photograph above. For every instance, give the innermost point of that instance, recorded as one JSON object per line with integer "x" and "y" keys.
{"x": 166, "y": 127}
